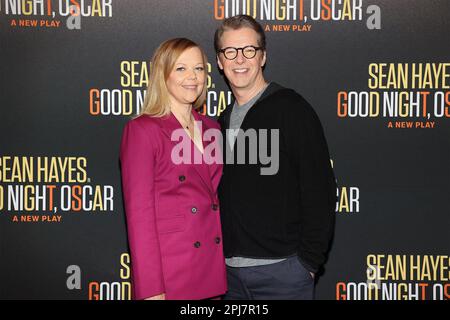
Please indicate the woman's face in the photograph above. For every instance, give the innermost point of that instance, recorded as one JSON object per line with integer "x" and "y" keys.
{"x": 187, "y": 78}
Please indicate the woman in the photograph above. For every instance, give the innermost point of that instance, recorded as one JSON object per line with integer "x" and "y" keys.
{"x": 172, "y": 211}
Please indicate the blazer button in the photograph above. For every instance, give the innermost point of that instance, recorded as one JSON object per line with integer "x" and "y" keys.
{"x": 217, "y": 240}
{"x": 197, "y": 244}
{"x": 215, "y": 207}
{"x": 181, "y": 178}
{"x": 194, "y": 210}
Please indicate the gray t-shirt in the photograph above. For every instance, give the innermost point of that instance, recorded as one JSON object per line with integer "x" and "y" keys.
{"x": 237, "y": 116}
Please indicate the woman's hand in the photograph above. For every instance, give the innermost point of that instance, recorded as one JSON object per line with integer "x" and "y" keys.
{"x": 161, "y": 296}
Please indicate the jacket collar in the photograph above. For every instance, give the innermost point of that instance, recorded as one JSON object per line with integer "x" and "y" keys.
{"x": 170, "y": 123}
{"x": 271, "y": 89}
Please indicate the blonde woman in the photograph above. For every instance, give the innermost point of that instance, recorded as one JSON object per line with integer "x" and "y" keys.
{"x": 172, "y": 209}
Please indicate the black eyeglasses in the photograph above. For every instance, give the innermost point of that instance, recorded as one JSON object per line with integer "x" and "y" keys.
{"x": 231, "y": 53}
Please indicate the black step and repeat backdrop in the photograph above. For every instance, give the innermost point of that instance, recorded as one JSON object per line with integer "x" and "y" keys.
{"x": 376, "y": 71}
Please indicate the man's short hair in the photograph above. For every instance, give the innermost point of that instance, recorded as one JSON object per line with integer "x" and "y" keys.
{"x": 238, "y": 22}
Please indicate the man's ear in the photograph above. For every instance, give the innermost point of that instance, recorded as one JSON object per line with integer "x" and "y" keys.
{"x": 263, "y": 61}
{"x": 219, "y": 63}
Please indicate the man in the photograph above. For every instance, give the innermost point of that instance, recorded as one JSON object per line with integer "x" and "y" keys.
{"x": 276, "y": 227}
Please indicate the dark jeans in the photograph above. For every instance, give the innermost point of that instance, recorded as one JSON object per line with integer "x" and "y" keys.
{"x": 285, "y": 280}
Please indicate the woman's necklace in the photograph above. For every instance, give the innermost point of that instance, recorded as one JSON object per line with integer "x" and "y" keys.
{"x": 185, "y": 123}
{"x": 190, "y": 129}
{"x": 189, "y": 123}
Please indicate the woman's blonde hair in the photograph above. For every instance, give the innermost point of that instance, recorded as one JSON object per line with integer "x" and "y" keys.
{"x": 156, "y": 102}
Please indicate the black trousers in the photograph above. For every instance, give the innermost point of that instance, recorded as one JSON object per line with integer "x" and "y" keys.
{"x": 285, "y": 280}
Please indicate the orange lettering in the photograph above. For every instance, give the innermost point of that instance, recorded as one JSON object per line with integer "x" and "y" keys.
{"x": 341, "y": 291}
{"x": 94, "y": 104}
{"x": 219, "y": 12}
{"x": 76, "y": 205}
{"x": 326, "y": 10}
{"x": 342, "y": 104}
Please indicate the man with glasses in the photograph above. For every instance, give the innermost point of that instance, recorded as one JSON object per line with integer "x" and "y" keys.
{"x": 276, "y": 228}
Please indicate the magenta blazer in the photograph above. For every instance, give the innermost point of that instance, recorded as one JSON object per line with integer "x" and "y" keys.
{"x": 172, "y": 212}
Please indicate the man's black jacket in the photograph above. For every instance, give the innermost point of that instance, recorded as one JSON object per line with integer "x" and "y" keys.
{"x": 290, "y": 212}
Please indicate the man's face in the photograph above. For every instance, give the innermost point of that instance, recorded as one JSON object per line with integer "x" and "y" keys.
{"x": 242, "y": 73}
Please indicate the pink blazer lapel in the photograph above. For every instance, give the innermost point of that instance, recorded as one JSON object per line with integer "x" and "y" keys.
{"x": 169, "y": 124}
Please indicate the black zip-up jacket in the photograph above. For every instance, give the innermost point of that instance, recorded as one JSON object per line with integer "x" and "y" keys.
{"x": 288, "y": 213}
